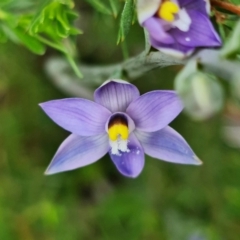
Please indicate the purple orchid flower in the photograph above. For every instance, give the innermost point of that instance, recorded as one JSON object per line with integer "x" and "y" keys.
{"x": 177, "y": 27}
{"x": 121, "y": 122}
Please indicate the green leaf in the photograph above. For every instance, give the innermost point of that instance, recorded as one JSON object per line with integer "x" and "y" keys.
{"x": 75, "y": 31}
{"x": 126, "y": 20}
{"x": 38, "y": 18}
{"x": 115, "y": 7}
{"x": 56, "y": 17}
{"x": 100, "y": 6}
{"x": 18, "y": 35}
{"x": 232, "y": 46}
{"x": 71, "y": 15}
{"x": 55, "y": 45}
{"x": 61, "y": 31}
{"x": 30, "y": 42}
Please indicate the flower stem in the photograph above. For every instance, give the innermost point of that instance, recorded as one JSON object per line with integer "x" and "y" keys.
{"x": 227, "y": 6}
{"x": 58, "y": 70}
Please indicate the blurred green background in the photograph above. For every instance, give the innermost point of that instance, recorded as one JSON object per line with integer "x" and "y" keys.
{"x": 167, "y": 201}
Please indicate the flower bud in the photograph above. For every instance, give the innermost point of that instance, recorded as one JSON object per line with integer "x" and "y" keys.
{"x": 201, "y": 93}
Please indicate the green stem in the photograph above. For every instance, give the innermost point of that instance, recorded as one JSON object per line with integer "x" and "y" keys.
{"x": 61, "y": 49}
{"x": 124, "y": 49}
{"x": 74, "y": 66}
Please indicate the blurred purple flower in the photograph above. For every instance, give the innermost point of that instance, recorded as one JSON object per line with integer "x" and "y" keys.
{"x": 122, "y": 123}
{"x": 177, "y": 27}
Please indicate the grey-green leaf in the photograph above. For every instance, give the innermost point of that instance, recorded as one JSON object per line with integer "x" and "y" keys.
{"x": 232, "y": 46}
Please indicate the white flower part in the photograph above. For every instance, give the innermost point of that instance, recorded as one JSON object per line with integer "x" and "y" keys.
{"x": 146, "y": 9}
{"x": 183, "y": 22}
{"x": 175, "y": 53}
{"x": 114, "y": 80}
{"x": 114, "y": 148}
{"x": 122, "y": 145}
{"x": 208, "y": 6}
{"x": 119, "y": 145}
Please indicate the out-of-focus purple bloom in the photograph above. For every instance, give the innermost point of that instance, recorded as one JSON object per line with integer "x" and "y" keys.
{"x": 121, "y": 122}
{"x": 177, "y": 27}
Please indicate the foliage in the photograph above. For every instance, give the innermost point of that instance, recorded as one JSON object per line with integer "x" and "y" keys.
{"x": 40, "y": 24}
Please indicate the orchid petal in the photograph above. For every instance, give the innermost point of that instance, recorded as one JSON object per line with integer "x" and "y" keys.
{"x": 79, "y": 116}
{"x": 116, "y": 95}
{"x": 146, "y": 9}
{"x": 131, "y": 163}
{"x": 200, "y": 6}
{"x": 175, "y": 49}
{"x": 77, "y": 151}
{"x": 156, "y": 30}
{"x": 155, "y": 110}
{"x": 167, "y": 145}
{"x": 183, "y": 22}
{"x": 200, "y": 34}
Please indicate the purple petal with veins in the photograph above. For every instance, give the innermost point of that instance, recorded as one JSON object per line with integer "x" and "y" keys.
{"x": 77, "y": 115}
{"x": 200, "y": 6}
{"x": 200, "y": 34}
{"x": 77, "y": 151}
{"x": 155, "y": 110}
{"x": 167, "y": 145}
{"x": 116, "y": 95}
